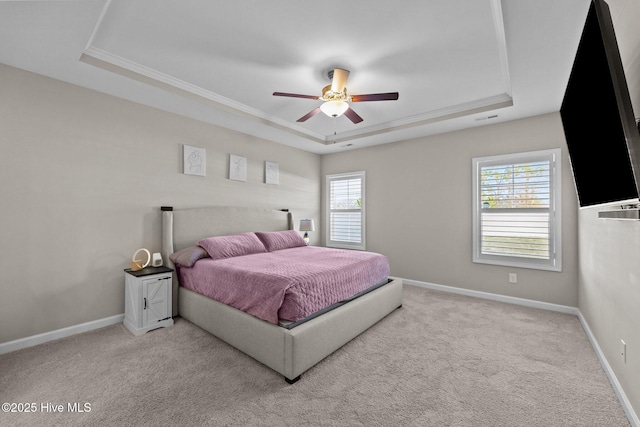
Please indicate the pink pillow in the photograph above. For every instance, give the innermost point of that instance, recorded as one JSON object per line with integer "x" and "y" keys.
{"x": 276, "y": 240}
{"x": 188, "y": 256}
{"x": 230, "y": 246}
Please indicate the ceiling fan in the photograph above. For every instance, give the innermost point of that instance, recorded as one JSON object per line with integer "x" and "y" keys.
{"x": 336, "y": 100}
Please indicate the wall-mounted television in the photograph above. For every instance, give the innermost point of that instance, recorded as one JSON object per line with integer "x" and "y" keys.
{"x": 598, "y": 119}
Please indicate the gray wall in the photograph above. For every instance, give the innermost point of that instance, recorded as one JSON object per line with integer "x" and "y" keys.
{"x": 610, "y": 292}
{"x": 419, "y": 213}
{"x": 609, "y": 250}
{"x": 82, "y": 178}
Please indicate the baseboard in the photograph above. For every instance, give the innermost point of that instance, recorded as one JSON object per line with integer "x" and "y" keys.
{"x": 21, "y": 343}
{"x": 622, "y": 397}
{"x": 617, "y": 388}
{"x": 495, "y": 297}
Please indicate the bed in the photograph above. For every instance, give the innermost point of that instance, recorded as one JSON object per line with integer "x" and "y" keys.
{"x": 289, "y": 348}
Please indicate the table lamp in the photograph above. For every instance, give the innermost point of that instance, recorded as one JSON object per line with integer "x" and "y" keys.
{"x": 307, "y": 225}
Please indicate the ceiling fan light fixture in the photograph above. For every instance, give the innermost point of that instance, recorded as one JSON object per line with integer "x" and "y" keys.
{"x": 336, "y": 100}
{"x": 334, "y": 108}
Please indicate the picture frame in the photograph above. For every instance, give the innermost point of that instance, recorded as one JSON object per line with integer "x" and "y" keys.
{"x": 237, "y": 168}
{"x": 194, "y": 160}
{"x": 271, "y": 173}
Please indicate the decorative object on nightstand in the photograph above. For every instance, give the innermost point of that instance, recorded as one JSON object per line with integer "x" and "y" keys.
{"x": 307, "y": 225}
{"x": 147, "y": 296}
{"x": 137, "y": 264}
{"x": 156, "y": 260}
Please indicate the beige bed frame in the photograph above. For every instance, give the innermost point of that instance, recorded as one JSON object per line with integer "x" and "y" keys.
{"x": 289, "y": 352}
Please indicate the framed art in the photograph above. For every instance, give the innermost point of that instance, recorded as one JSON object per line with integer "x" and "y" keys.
{"x": 237, "y": 168}
{"x": 271, "y": 173}
{"x": 194, "y": 160}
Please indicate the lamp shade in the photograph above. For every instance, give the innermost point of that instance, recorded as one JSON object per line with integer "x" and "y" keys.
{"x": 307, "y": 225}
{"x": 334, "y": 108}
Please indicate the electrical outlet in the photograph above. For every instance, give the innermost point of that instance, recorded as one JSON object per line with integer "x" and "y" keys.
{"x": 623, "y": 351}
{"x": 513, "y": 278}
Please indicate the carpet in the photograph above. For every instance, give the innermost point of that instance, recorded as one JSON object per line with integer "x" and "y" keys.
{"x": 440, "y": 360}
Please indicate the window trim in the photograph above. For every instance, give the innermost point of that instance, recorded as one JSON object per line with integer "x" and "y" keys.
{"x": 555, "y": 211}
{"x": 337, "y": 244}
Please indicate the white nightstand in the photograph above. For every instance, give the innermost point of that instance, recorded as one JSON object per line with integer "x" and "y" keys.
{"x": 147, "y": 299}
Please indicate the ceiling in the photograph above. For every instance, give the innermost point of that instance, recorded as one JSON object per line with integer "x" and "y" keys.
{"x": 456, "y": 63}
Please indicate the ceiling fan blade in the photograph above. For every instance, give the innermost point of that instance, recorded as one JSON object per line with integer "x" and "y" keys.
{"x": 390, "y": 96}
{"x": 295, "y": 95}
{"x": 309, "y": 115}
{"x": 339, "y": 80}
{"x": 353, "y": 116}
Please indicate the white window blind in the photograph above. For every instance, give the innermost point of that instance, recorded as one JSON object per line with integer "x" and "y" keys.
{"x": 345, "y": 210}
{"x": 516, "y": 210}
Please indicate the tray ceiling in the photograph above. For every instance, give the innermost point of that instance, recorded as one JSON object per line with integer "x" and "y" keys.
{"x": 455, "y": 63}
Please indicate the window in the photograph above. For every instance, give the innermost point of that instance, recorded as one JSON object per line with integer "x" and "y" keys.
{"x": 516, "y": 210}
{"x": 345, "y": 211}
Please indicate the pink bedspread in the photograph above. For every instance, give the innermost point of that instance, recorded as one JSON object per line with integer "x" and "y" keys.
{"x": 288, "y": 284}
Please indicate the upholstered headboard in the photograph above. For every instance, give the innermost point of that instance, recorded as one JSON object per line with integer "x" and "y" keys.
{"x": 182, "y": 228}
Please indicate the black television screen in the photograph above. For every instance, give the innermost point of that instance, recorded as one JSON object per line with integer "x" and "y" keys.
{"x": 598, "y": 119}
